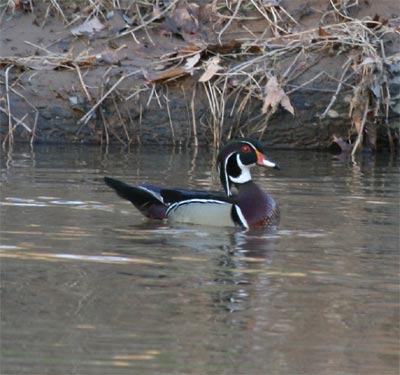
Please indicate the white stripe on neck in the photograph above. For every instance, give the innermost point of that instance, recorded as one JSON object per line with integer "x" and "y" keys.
{"x": 244, "y": 176}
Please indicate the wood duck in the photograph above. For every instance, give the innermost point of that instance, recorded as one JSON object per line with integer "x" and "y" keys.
{"x": 249, "y": 207}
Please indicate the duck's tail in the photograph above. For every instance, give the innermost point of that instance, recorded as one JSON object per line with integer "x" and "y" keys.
{"x": 146, "y": 198}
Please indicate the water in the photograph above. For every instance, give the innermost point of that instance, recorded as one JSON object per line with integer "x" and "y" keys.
{"x": 90, "y": 287}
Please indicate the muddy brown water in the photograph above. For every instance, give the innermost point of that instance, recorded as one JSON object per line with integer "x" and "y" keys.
{"x": 90, "y": 287}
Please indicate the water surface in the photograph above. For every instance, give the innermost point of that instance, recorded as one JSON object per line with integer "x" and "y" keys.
{"x": 90, "y": 287}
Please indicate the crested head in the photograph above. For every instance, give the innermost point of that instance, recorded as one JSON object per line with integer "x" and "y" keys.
{"x": 235, "y": 160}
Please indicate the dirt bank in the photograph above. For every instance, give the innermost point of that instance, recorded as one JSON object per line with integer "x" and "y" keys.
{"x": 292, "y": 72}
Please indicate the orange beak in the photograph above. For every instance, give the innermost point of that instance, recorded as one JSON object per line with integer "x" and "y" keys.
{"x": 264, "y": 162}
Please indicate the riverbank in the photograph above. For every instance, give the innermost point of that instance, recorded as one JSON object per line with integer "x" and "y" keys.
{"x": 198, "y": 73}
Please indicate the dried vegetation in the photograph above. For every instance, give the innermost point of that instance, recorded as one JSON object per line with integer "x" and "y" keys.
{"x": 233, "y": 73}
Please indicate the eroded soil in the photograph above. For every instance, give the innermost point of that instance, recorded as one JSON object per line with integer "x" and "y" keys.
{"x": 128, "y": 82}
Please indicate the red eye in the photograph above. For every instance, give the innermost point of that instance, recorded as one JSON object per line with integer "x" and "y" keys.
{"x": 245, "y": 149}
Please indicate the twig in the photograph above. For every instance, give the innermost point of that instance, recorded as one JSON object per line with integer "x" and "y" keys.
{"x": 84, "y": 119}
{"x": 42, "y": 48}
{"x": 105, "y": 125}
{"x": 144, "y": 24}
{"x": 11, "y": 140}
{"x": 78, "y": 70}
{"x": 33, "y": 135}
{"x": 361, "y": 133}
{"x": 111, "y": 130}
{"x": 196, "y": 140}
{"x": 339, "y": 87}
{"x": 17, "y": 120}
{"x": 154, "y": 91}
{"x": 296, "y": 88}
{"x": 170, "y": 119}
{"x": 122, "y": 120}
{"x": 229, "y": 21}
{"x": 59, "y": 9}
{"x": 188, "y": 133}
{"x": 10, "y": 134}
{"x": 265, "y": 15}
{"x": 145, "y": 29}
{"x": 288, "y": 14}
{"x": 288, "y": 70}
{"x": 129, "y": 97}
{"x": 339, "y": 12}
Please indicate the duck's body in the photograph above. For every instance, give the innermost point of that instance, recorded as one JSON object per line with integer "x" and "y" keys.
{"x": 250, "y": 207}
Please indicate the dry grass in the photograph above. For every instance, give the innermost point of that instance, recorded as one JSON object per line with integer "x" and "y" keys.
{"x": 365, "y": 71}
{"x": 244, "y": 74}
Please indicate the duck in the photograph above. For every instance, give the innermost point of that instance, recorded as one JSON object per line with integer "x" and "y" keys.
{"x": 247, "y": 207}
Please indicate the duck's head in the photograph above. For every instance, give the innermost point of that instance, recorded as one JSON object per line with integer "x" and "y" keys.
{"x": 235, "y": 160}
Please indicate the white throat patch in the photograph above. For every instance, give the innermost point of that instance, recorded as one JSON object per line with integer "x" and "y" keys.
{"x": 244, "y": 176}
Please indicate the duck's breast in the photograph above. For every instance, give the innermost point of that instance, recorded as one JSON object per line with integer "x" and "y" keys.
{"x": 258, "y": 207}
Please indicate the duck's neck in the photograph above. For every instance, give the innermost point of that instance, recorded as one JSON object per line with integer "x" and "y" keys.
{"x": 249, "y": 188}
{"x": 244, "y": 174}
{"x": 243, "y": 178}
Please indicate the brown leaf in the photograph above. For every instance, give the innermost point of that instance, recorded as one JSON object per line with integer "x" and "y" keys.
{"x": 274, "y": 95}
{"x": 228, "y": 47}
{"x": 166, "y": 74}
{"x": 88, "y": 61}
{"x": 322, "y": 32}
{"x": 212, "y": 68}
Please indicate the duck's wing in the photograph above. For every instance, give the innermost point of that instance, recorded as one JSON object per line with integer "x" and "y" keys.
{"x": 146, "y": 198}
{"x": 178, "y": 195}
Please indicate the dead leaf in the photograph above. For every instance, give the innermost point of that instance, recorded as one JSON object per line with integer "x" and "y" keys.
{"x": 192, "y": 61}
{"x": 175, "y": 72}
{"x": 212, "y": 68}
{"x": 231, "y": 46}
{"x": 275, "y": 96}
{"x": 166, "y": 74}
{"x": 88, "y": 27}
{"x": 322, "y": 32}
